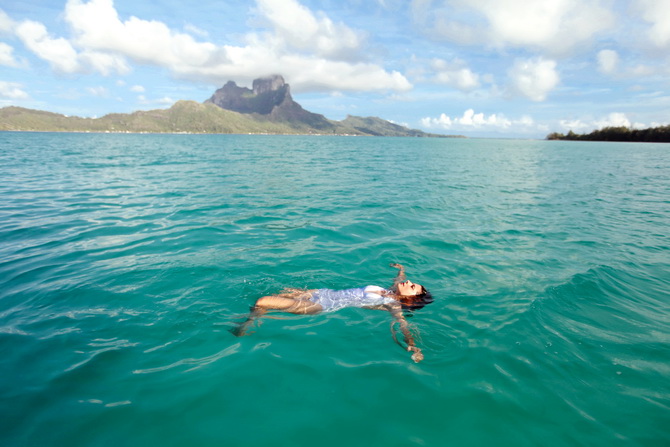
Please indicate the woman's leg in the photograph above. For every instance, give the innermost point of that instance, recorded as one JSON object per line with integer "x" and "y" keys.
{"x": 296, "y": 294}
{"x": 291, "y": 305}
{"x": 279, "y": 303}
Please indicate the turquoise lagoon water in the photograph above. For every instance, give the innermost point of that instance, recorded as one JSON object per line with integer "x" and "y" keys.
{"x": 126, "y": 259}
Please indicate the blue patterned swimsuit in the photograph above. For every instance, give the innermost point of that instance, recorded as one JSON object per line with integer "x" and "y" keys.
{"x": 332, "y": 300}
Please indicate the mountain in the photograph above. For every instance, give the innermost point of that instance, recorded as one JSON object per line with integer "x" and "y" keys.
{"x": 269, "y": 97}
{"x": 379, "y": 127}
{"x": 266, "y": 108}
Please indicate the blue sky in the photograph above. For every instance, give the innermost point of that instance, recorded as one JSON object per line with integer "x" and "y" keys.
{"x": 507, "y": 68}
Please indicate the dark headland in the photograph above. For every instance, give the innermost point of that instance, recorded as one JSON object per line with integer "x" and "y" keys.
{"x": 266, "y": 108}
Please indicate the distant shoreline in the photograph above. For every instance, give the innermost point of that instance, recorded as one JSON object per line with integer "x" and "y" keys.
{"x": 659, "y": 134}
{"x": 190, "y": 117}
{"x": 127, "y": 132}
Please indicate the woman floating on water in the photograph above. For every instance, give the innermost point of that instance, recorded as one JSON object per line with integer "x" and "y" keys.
{"x": 403, "y": 294}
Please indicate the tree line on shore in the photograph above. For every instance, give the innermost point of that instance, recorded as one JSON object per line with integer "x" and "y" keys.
{"x": 651, "y": 135}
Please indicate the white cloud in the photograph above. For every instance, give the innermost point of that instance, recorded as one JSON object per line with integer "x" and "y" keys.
{"x": 105, "y": 63}
{"x": 6, "y": 23}
{"x": 298, "y": 27}
{"x": 469, "y": 119}
{"x": 62, "y": 55}
{"x": 101, "y": 92}
{"x": 167, "y": 101}
{"x": 610, "y": 63}
{"x": 615, "y": 119}
{"x": 477, "y": 121}
{"x": 312, "y": 53}
{"x": 533, "y": 78}
{"x": 7, "y": 56}
{"x": 317, "y": 74}
{"x": 642, "y": 70}
{"x": 97, "y": 27}
{"x": 575, "y": 125}
{"x": 454, "y": 74}
{"x": 192, "y": 29}
{"x": 608, "y": 60}
{"x": 555, "y": 26}
{"x": 137, "y": 89}
{"x": 12, "y": 90}
{"x": 57, "y": 51}
{"x": 656, "y": 12}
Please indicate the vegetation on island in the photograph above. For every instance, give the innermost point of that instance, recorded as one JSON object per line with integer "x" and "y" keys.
{"x": 651, "y": 135}
{"x": 267, "y": 109}
{"x": 194, "y": 117}
{"x": 184, "y": 116}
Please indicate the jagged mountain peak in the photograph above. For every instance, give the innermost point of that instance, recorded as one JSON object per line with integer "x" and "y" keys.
{"x": 266, "y": 94}
{"x": 271, "y": 97}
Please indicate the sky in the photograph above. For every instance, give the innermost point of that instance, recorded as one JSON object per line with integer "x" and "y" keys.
{"x": 480, "y": 68}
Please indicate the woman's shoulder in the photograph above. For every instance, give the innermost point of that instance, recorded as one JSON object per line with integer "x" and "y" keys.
{"x": 373, "y": 289}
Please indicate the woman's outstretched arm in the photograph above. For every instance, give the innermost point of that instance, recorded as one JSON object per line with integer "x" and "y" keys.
{"x": 400, "y": 277}
{"x": 396, "y": 312}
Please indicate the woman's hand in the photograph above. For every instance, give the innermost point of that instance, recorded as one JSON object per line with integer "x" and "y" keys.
{"x": 418, "y": 355}
{"x": 400, "y": 276}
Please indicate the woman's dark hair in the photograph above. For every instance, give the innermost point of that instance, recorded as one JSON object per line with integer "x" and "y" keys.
{"x": 414, "y": 302}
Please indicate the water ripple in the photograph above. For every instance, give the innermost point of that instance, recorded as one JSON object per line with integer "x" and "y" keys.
{"x": 125, "y": 259}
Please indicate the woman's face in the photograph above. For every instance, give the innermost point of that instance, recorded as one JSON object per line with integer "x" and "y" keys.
{"x": 408, "y": 288}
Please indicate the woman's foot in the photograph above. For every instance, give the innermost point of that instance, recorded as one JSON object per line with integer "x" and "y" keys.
{"x": 241, "y": 329}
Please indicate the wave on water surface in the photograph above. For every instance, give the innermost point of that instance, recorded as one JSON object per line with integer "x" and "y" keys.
{"x": 126, "y": 259}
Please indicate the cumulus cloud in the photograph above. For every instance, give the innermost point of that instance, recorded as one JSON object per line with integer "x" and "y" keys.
{"x": 101, "y": 92}
{"x": 454, "y": 74}
{"x": 296, "y": 26}
{"x": 615, "y": 119}
{"x": 137, "y": 89}
{"x": 477, "y": 121}
{"x": 12, "y": 90}
{"x": 608, "y": 60}
{"x": 555, "y": 26}
{"x": 7, "y": 56}
{"x": 61, "y": 54}
{"x": 311, "y": 52}
{"x": 656, "y": 12}
{"x": 308, "y": 74}
{"x": 97, "y": 27}
{"x": 165, "y": 101}
{"x": 58, "y": 52}
{"x": 6, "y": 23}
{"x": 533, "y": 78}
{"x": 104, "y": 63}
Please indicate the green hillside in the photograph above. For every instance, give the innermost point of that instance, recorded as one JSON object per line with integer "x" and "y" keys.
{"x": 191, "y": 117}
{"x": 380, "y": 127}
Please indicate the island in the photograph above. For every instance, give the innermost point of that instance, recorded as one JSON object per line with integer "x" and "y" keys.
{"x": 266, "y": 108}
{"x": 651, "y": 135}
